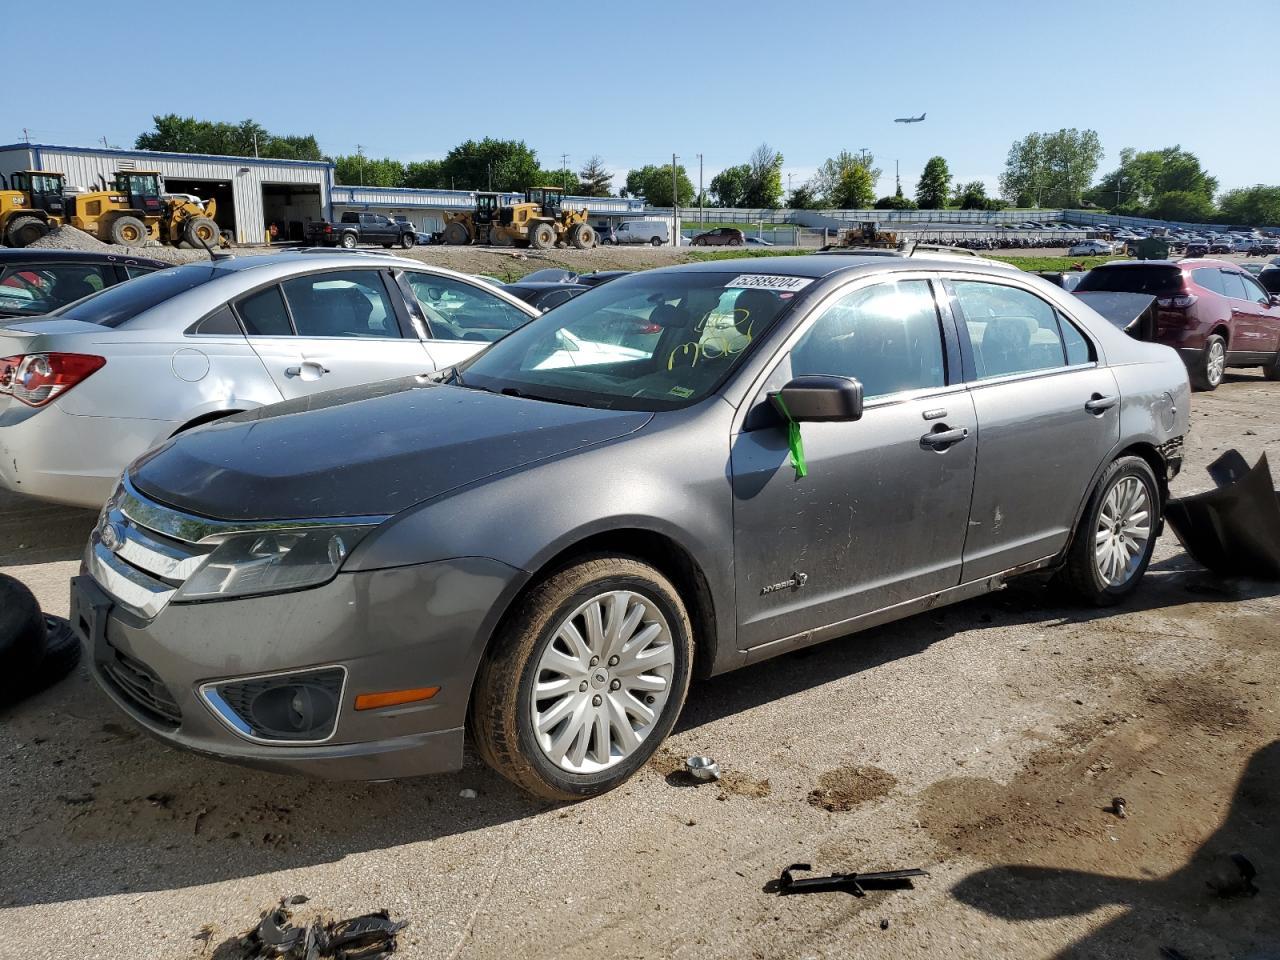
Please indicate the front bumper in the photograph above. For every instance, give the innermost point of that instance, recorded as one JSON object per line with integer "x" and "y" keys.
{"x": 406, "y": 627}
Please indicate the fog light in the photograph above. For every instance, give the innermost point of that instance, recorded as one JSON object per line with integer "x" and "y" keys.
{"x": 292, "y": 708}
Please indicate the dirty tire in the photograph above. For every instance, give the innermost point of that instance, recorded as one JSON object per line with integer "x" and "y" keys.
{"x": 735, "y": 242}
{"x": 407, "y": 240}
{"x": 348, "y": 241}
{"x": 127, "y": 231}
{"x": 1080, "y": 573}
{"x": 542, "y": 236}
{"x": 456, "y": 235}
{"x": 1205, "y": 373}
{"x": 201, "y": 231}
{"x": 1272, "y": 370}
{"x": 656, "y": 241}
{"x": 500, "y": 720}
{"x": 25, "y": 230}
{"x": 22, "y": 640}
{"x": 582, "y": 236}
{"x": 61, "y": 653}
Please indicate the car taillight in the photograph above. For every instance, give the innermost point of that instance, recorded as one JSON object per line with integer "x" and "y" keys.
{"x": 38, "y": 378}
{"x": 328, "y": 228}
{"x": 1180, "y": 302}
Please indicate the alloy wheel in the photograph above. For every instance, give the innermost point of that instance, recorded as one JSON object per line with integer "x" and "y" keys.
{"x": 1124, "y": 528}
{"x": 1217, "y": 362}
{"x": 602, "y": 682}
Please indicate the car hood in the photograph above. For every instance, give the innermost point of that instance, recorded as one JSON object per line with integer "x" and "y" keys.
{"x": 365, "y": 451}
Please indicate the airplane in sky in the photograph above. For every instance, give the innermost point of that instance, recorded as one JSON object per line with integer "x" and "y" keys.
{"x": 909, "y": 119}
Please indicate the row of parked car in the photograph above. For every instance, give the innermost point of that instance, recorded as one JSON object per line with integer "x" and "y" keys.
{"x": 534, "y": 528}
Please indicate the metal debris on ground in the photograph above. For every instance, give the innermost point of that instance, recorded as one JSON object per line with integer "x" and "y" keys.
{"x": 371, "y": 936}
{"x": 855, "y": 883}
{"x": 467, "y": 794}
{"x": 702, "y": 768}
{"x": 1234, "y": 530}
{"x": 1118, "y": 807}
{"x": 1232, "y": 876}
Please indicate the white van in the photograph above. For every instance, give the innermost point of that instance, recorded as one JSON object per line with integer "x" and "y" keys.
{"x": 656, "y": 232}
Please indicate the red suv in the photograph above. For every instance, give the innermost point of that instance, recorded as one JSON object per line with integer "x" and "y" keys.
{"x": 1212, "y": 312}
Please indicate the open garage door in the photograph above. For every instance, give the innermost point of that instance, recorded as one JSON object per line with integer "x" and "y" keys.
{"x": 219, "y": 190}
{"x": 289, "y": 207}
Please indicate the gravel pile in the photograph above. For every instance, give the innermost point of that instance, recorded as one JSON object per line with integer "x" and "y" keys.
{"x": 69, "y": 238}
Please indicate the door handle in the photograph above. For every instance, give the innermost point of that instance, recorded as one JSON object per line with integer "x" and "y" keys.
{"x": 941, "y": 438}
{"x": 1098, "y": 403}
{"x": 307, "y": 370}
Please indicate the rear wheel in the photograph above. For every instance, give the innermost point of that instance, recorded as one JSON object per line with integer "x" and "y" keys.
{"x": 1211, "y": 366}
{"x": 127, "y": 231}
{"x": 201, "y": 232}
{"x": 542, "y": 236}
{"x": 582, "y": 236}
{"x": 25, "y": 230}
{"x": 407, "y": 240}
{"x": 1116, "y": 535}
{"x": 1272, "y": 369}
{"x": 586, "y": 679}
{"x": 348, "y": 241}
{"x": 456, "y": 234}
{"x": 735, "y": 242}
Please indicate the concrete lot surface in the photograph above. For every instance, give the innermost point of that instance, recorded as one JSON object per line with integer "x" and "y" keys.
{"x": 981, "y": 742}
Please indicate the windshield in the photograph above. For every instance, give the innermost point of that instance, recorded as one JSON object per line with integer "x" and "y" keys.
{"x": 651, "y": 341}
{"x": 115, "y": 305}
{"x": 1163, "y": 281}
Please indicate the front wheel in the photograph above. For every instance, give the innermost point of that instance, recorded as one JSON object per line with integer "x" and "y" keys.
{"x": 585, "y": 680}
{"x": 1116, "y": 536}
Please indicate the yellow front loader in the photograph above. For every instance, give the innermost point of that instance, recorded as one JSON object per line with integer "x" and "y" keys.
{"x": 134, "y": 209}
{"x": 30, "y": 203}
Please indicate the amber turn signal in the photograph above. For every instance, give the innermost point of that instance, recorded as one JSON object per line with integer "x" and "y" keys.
{"x": 392, "y": 698}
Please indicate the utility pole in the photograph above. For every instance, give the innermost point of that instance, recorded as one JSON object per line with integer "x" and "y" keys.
{"x": 491, "y": 176}
{"x": 897, "y": 180}
{"x": 699, "y": 191}
{"x": 255, "y": 144}
{"x": 564, "y": 171}
{"x": 104, "y": 142}
{"x": 26, "y": 135}
{"x": 675, "y": 204}
{"x": 359, "y": 154}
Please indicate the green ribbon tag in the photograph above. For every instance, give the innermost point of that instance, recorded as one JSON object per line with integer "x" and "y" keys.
{"x": 795, "y": 442}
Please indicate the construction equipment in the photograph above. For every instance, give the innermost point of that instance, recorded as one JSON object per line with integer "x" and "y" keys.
{"x": 867, "y": 236}
{"x": 540, "y": 222}
{"x": 134, "y": 209}
{"x": 30, "y": 203}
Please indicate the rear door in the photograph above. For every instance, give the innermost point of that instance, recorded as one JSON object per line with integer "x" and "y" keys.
{"x": 30, "y": 290}
{"x": 336, "y": 328}
{"x": 1048, "y": 415}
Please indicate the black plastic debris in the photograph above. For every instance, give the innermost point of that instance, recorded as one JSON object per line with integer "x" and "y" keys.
{"x": 36, "y": 649}
{"x": 371, "y": 936}
{"x": 855, "y": 883}
{"x": 1233, "y": 530}
{"x": 1134, "y": 313}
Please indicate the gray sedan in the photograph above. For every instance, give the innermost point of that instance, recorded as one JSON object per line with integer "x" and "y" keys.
{"x": 674, "y": 474}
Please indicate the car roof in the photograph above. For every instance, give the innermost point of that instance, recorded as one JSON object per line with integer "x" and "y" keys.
{"x": 819, "y": 266}
{"x": 54, "y": 255}
{"x": 536, "y": 285}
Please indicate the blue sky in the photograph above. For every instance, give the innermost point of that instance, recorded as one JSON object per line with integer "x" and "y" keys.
{"x": 635, "y": 82}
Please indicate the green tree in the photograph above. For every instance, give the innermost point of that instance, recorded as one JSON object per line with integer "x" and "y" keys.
{"x": 731, "y": 184}
{"x": 506, "y": 164}
{"x": 594, "y": 179}
{"x": 189, "y": 135}
{"x": 833, "y": 179}
{"x": 973, "y": 196}
{"x": 1256, "y": 206}
{"x": 654, "y": 184}
{"x": 353, "y": 170}
{"x": 1193, "y": 207}
{"x": 764, "y": 183}
{"x": 896, "y": 202}
{"x": 855, "y": 189}
{"x": 1136, "y": 185}
{"x": 803, "y": 197}
{"x": 934, "y": 185}
{"x": 425, "y": 175}
{"x": 1051, "y": 169}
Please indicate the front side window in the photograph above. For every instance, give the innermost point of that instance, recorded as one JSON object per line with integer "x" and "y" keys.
{"x": 1012, "y": 331}
{"x": 1234, "y": 286}
{"x": 40, "y": 289}
{"x": 649, "y": 341}
{"x": 455, "y": 310}
{"x": 887, "y": 336}
{"x": 1253, "y": 289}
{"x": 345, "y": 303}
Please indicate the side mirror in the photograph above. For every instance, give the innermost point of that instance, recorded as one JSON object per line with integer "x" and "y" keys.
{"x": 1275, "y": 299}
{"x": 819, "y": 399}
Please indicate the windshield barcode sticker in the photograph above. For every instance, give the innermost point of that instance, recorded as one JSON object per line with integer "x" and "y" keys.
{"x": 766, "y": 281}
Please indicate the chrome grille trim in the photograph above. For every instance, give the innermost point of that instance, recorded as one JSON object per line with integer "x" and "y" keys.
{"x": 130, "y": 587}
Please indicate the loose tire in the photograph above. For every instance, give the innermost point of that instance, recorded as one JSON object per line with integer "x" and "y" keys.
{"x": 656, "y": 241}
{"x": 542, "y": 236}
{"x": 585, "y": 680}
{"x": 1211, "y": 366}
{"x": 25, "y": 230}
{"x": 348, "y": 241}
{"x": 582, "y": 236}
{"x": 22, "y": 639}
{"x": 456, "y": 234}
{"x": 127, "y": 231}
{"x": 201, "y": 232}
{"x": 407, "y": 240}
{"x": 1116, "y": 535}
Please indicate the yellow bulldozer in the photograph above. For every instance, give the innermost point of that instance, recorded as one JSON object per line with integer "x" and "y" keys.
{"x": 866, "y": 236}
{"x": 540, "y": 222}
{"x": 134, "y": 209}
{"x": 30, "y": 203}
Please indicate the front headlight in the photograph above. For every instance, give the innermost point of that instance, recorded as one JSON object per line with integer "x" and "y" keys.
{"x": 271, "y": 561}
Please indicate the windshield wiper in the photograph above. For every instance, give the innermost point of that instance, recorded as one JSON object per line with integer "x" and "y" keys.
{"x": 513, "y": 392}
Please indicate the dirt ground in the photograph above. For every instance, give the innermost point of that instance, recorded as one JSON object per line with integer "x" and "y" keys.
{"x": 984, "y": 742}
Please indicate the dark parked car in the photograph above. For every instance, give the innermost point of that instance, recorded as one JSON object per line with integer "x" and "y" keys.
{"x": 1270, "y": 280}
{"x": 720, "y": 237}
{"x": 545, "y": 294}
{"x": 1197, "y": 248}
{"x": 34, "y": 281}
{"x": 542, "y": 545}
{"x": 357, "y": 228}
{"x": 1214, "y": 313}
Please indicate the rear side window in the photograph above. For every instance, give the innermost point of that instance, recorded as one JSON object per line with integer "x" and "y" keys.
{"x": 264, "y": 314}
{"x": 222, "y": 322}
{"x": 1210, "y": 278}
{"x": 1078, "y": 348}
{"x": 39, "y": 289}
{"x": 132, "y": 272}
{"x": 1012, "y": 331}
{"x": 1155, "y": 281}
{"x": 124, "y": 301}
